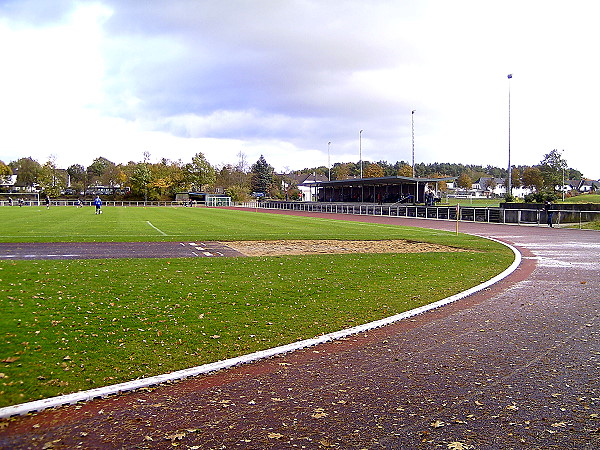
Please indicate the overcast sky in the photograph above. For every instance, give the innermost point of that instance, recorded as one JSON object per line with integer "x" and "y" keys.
{"x": 282, "y": 78}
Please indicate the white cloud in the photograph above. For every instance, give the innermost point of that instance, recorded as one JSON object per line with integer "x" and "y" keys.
{"x": 117, "y": 78}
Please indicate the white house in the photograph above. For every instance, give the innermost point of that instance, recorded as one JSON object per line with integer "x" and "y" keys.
{"x": 489, "y": 187}
{"x": 307, "y": 185}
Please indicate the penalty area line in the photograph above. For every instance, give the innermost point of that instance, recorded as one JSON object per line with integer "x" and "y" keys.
{"x": 157, "y": 229}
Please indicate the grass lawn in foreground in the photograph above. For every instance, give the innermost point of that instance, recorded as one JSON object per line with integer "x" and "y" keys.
{"x": 73, "y": 325}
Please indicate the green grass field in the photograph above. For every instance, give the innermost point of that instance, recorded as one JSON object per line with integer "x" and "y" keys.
{"x": 586, "y": 198}
{"x": 480, "y": 202}
{"x": 73, "y": 325}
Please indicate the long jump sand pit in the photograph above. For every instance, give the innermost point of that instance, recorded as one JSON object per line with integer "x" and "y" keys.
{"x": 327, "y": 246}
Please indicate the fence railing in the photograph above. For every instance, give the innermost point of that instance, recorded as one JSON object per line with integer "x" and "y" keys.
{"x": 467, "y": 213}
{"x": 525, "y": 216}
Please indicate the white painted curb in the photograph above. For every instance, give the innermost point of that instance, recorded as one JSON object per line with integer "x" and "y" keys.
{"x": 76, "y": 397}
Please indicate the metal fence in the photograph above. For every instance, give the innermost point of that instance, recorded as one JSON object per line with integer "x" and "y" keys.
{"x": 522, "y": 216}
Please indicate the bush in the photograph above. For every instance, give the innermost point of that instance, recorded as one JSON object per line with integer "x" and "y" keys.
{"x": 540, "y": 197}
{"x": 237, "y": 193}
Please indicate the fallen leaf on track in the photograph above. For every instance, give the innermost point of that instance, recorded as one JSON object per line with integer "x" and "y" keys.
{"x": 10, "y": 359}
{"x": 458, "y": 446}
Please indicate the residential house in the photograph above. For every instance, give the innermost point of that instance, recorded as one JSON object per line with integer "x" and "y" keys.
{"x": 586, "y": 186}
{"x": 306, "y": 184}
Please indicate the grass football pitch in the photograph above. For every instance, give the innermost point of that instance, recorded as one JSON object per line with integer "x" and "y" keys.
{"x": 69, "y": 325}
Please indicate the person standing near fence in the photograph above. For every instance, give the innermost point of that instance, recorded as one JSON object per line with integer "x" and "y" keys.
{"x": 98, "y": 204}
{"x": 549, "y": 213}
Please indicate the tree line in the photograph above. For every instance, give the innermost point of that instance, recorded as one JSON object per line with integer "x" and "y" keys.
{"x": 162, "y": 180}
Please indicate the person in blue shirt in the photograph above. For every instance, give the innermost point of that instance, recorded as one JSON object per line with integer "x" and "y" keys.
{"x": 98, "y": 204}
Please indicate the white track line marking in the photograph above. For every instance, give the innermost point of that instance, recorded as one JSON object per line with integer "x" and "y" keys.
{"x": 157, "y": 229}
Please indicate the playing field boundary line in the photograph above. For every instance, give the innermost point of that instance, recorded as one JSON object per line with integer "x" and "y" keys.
{"x": 82, "y": 396}
{"x": 157, "y": 229}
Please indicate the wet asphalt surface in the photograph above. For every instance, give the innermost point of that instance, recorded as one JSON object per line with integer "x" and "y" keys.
{"x": 516, "y": 366}
{"x": 102, "y": 250}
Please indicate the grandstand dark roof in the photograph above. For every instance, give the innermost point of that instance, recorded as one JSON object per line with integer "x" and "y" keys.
{"x": 382, "y": 181}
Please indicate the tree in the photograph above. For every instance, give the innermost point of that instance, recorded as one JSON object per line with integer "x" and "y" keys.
{"x": 442, "y": 184}
{"x": 515, "y": 177}
{"x": 262, "y": 176}
{"x": 28, "y": 170}
{"x": 167, "y": 177}
{"x": 532, "y": 178}
{"x": 340, "y": 171}
{"x": 405, "y": 170}
{"x": 234, "y": 181}
{"x": 78, "y": 176}
{"x": 112, "y": 176}
{"x": 225, "y": 176}
{"x": 373, "y": 171}
{"x": 198, "y": 173}
{"x": 464, "y": 181}
{"x": 5, "y": 172}
{"x": 97, "y": 169}
{"x": 50, "y": 179}
{"x": 140, "y": 180}
{"x": 552, "y": 168}
{"x": 237, "y": 193}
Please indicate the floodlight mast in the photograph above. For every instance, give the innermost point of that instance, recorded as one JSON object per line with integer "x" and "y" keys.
{"x": 329, "y": 160}
{"x": 360, "y": 152}
{"x": 509, "y": 176}
{"x": 413, "y": 141}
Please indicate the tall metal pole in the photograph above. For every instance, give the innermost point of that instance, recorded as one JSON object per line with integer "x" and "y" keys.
{"x": 563, "y": 185}
{"x": 509, "y": 176}
{"x": 412, "y": 115}
{"x": 360, "y": 152}
{"x": 329, "y": 160}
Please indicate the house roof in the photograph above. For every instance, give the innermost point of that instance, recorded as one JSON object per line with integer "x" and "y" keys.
{"x": 307, "y": 178}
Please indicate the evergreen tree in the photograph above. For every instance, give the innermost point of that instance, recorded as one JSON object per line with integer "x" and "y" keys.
{"x": 262, "y": 176}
